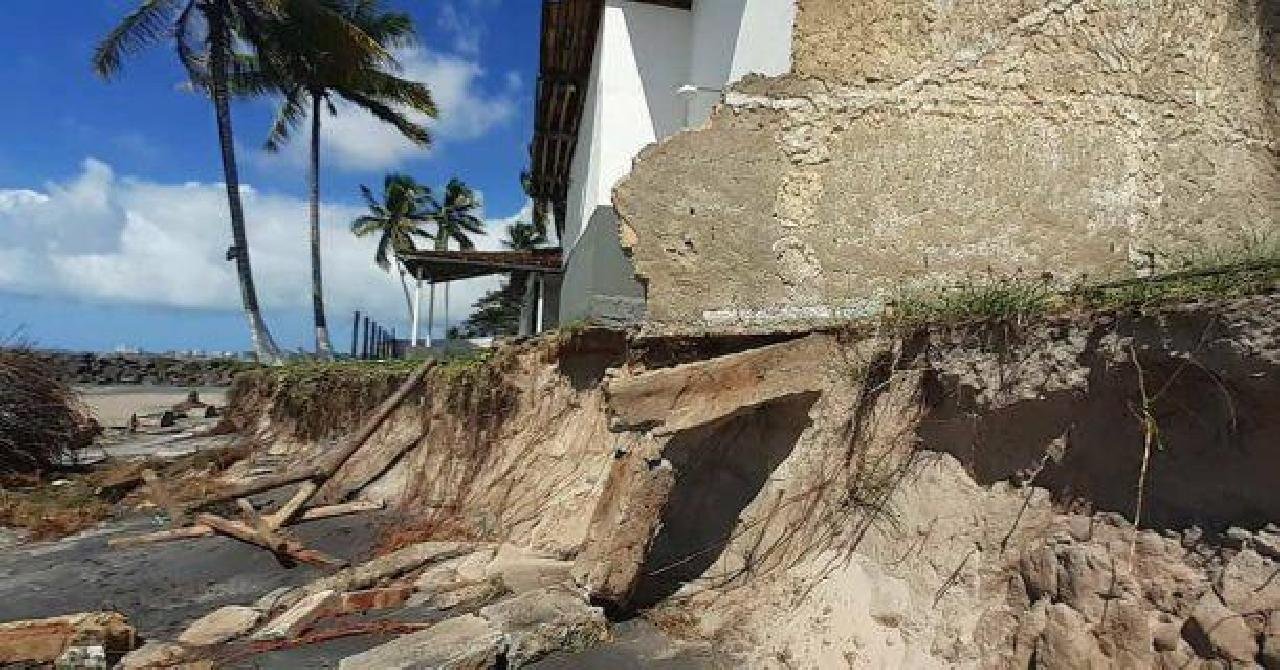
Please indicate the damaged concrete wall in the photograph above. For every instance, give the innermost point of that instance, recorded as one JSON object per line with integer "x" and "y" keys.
{"x": 959, "y": 497}
{"x": 919, "y": 143}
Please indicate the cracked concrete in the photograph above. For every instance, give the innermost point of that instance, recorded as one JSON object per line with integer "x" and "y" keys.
{"x": 923, "y": 143}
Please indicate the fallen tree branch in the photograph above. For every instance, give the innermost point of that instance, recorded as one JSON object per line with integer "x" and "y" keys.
{"x": 330, "y": 464}
{"x": 290, "y": 509}
{"x": 199, "y": 530}
{"x": 280, "y": 546}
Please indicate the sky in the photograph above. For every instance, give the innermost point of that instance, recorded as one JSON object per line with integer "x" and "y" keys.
{"x": 113, "y": 224}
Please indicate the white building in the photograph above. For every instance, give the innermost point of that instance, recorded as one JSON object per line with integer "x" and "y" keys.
{"x": 617, "y": 76}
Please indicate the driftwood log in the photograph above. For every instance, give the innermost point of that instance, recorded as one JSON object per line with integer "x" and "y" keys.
{"x": 198, "y": 531}
{"x": 263, "y": 529}
{"x": 330, "y": 463}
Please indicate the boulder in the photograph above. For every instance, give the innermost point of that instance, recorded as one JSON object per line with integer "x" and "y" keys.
{"x": 1270, "y": 656}
{"x": 296, "y": 619}
{"x": 220, "y": 626}
{"x": 536, "y": 623}
{"x": 462, "y": 643}
{"x": 1039, "y": 568}
{"x": 1248, "y": 584}
{"x": 1067, "y": 643}
{"x": 1215, "y": 631}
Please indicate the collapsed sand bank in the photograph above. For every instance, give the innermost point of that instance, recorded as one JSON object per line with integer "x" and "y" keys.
{"x": 958, "y": 496}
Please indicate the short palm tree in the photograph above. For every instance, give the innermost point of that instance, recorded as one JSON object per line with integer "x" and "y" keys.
{"x": 456, "y": 221}
{"x": 397, "y": 219}
{"x": 309, "y": 77}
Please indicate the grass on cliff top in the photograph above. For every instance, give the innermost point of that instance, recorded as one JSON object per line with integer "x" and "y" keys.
{"x": 1248, "y": 268}
{"x": 324, "y": 399}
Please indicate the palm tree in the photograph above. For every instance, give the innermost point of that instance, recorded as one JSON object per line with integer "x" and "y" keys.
{"x": 397, "y": 219}
{"x": 455, "y": 220}
{"x": 309, "y": 76}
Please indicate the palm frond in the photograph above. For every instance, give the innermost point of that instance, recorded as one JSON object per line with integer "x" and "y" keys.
{"x": 290, "y": 115}
{"x": 416, "y": 133}
{"x": 150, "y": 23}
{"x": 381, "y": 257}
{"x": 367, "y": 225}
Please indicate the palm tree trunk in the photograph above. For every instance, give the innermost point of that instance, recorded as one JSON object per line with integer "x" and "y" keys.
{"x": 408, "y": 300}
{"x": 431, "y": 312}
{"x": 324, "y": 348}
{"x": 446, "y": 310}
{"x": 220, "y": 46}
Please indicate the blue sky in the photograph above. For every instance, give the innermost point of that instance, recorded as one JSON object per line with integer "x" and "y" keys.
{"x": 111, "y": 228}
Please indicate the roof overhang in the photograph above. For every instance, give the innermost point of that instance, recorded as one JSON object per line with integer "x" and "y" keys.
{"x": 440, "y": 266}
{"x": 570, "y": 30}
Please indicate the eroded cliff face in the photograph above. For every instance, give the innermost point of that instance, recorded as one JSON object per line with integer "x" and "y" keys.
{"x": 919, "y": 143}
{"x": 960, "y": 496}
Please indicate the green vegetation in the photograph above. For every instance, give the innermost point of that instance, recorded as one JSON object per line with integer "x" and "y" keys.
{"x": 1247, "y": 267}
{"x": 309, "y": 73}
{"x": 327, "y": 399}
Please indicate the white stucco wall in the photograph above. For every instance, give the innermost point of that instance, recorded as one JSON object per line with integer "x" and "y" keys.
{"x": 644, "y": 55}
{"x": 734, "y": 38}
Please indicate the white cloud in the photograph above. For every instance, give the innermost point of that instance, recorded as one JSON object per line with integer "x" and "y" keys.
{"x": 109, "y": 239}
{"x": 465, "y": 30}
{"x": 354, "y": 140}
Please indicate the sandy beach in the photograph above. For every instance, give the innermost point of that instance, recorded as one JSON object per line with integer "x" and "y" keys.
{"x": 112, "y": 405}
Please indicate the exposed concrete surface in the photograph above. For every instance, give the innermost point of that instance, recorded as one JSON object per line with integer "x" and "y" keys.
{"x": 957, "y": 498}
{"x": 159, "y": 588}
{"x": 919, "y": 143}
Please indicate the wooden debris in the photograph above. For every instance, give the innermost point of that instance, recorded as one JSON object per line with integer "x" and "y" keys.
{"x": 198, "y": 531}
{"x": 280, "y": 546}
{"x": 262, "y": 530}
{"x": 290, "y": 509}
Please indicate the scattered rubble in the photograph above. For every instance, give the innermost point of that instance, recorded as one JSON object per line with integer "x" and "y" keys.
{"x": 45, "y": 640}
{"x": 220, "y": 625}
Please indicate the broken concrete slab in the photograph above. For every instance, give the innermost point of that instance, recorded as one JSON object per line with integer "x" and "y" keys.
{"x": 675, "y": 399}
{"x": 628, "y": 512}
{"x": 154, "y": 655}
{"x": 525, "y": 570}
{"x": 220, "y": 625}
{"x": 370, "y": 600}
{"x": 536, "y": 623}
{"x": 458, "y": 595}
{"x": 389, "y": 566}
{"x": 44, "y": 640}
{"x": 462, "y": 643}
{"x": 296, "y": 619}
{"x": 1215, "y": 631}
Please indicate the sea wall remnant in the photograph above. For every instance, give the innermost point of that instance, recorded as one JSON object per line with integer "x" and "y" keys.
{"x": 917, "y": 144}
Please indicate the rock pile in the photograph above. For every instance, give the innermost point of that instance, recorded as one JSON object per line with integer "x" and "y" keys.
{"x": 112, "y": 369}
{"x": 1097, "y": 596}
{"x": 518, "y": 608}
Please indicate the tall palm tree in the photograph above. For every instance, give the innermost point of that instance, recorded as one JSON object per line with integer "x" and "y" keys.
{"x": 456, "y": 221}
{"x": 397, "y": 219}
{"x": 310, "y": 76}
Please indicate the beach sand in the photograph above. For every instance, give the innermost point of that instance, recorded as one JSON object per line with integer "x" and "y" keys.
{"x": 112, "y": 405}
